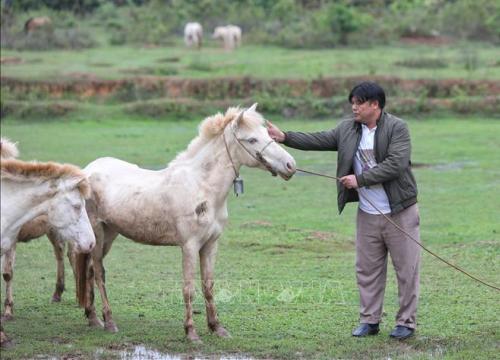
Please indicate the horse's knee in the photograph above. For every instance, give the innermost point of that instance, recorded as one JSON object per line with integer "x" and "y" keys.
{"x": 188, "y": 291}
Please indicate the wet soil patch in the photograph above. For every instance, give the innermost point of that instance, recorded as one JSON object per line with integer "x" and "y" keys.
{"x": 101, "y": 64}
{"x": 11, "y": 60}
{"x": 159, "y": 71}
{"x": 427, "y": 40}
{"x": 172, "y": 59}
{"x": 256, "y": 224}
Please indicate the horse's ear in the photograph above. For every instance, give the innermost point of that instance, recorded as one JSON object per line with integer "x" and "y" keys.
{"x": 83, "y": 185}
{"x": 239, "y": 119}
{"x": 253, "y": 107}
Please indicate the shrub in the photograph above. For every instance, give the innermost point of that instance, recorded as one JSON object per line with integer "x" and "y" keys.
{"x": 473, "y": 20}
{"x": 46, "y": 39}
{"x": 429, "y": 63}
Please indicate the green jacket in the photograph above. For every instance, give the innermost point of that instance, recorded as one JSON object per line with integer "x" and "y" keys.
{"x": 392, "y": 152}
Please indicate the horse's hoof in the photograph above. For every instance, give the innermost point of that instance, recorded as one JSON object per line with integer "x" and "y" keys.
{"x": 7, "y": 317}
{"x": 193, "y": 337}
{"x": 5, "y": 342}
{"x": 221, "y": 332}
{"x": 111, "y": 327}
{"x": 96, "y": 323}
{"x": 56, "y": 298}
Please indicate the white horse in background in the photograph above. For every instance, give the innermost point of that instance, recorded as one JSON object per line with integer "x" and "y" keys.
{"x": 183, "y": 205}
{"x": 230, "y": 36}
{"x": 193, "y": 35}
{"x": 31, "y": 230}
{"x": 30, "y": 190}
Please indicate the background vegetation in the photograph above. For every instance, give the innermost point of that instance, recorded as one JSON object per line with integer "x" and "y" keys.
{"x": 289, "y": 23}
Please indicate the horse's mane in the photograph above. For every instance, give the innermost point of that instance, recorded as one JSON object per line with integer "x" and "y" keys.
{"x": 214, "y": 126}
{"x": 18, "y": 170}
{"x": 8, "y": 149}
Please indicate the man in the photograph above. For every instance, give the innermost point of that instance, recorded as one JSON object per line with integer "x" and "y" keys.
{"x": 373, "y": 164}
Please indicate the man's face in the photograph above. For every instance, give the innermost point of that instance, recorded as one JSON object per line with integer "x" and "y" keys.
{"x": 364, "y": 111}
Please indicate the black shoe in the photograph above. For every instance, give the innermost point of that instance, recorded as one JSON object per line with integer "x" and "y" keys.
{"x": 365, "y": 329}
{"x": 401, "y": 332}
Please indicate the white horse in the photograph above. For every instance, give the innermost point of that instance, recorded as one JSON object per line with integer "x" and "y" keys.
{"x": 57, "y": 191}
{"x": 183, "y": 205}
{"x": 193, "y": 35}
{"x": 230, "y": 36}
{"x": 31, "y": 230}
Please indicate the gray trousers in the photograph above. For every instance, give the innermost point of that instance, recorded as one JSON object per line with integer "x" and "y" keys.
{"x": 375, "y": 238}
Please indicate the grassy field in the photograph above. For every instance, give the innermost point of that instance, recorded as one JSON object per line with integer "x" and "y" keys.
{"x": 285, "y": 273}
{"x": 457, "y": 60}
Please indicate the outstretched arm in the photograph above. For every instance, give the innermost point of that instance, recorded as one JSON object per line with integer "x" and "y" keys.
{"x": 322, "y": 140}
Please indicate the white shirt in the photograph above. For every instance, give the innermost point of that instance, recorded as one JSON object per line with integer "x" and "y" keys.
{"x": 364, "y": 159}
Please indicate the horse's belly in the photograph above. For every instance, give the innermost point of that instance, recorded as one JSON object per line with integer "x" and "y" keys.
{"x": 150, "y": 232}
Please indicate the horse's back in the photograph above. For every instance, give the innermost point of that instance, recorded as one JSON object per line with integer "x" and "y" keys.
{"x": 118, "y": 170}
{"x": 114, "y": 179}
{"x": 108, "y": 164}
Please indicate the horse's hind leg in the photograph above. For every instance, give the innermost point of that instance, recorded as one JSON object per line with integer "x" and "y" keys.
{"x": 59, "y": 254}
{"x": 207, "y": 262}
{"x": 8, "y": 261}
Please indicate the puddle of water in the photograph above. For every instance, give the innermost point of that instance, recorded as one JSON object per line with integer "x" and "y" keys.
{"x": 142, "y": 353}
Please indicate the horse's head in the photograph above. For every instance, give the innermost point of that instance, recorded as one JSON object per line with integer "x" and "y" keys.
{"x": 67, "y": 214}
{"x": 255, "y": 147}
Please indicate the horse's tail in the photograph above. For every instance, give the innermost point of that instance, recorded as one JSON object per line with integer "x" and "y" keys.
{"x": 82, "y": 262}
{"x": 8, "y": 149}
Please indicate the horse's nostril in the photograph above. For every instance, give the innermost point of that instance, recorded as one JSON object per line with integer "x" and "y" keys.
{"x": 289, "y": 166}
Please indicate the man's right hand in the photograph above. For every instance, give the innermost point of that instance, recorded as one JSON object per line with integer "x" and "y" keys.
{"x": 274, "y": 132}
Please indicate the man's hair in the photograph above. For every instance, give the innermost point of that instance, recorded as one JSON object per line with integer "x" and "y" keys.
{"x": 367, "y": 91}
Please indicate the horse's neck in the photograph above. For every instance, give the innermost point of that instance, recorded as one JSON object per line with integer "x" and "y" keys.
{"x": 23, "y": 202}
{"x": 215, "y": 167}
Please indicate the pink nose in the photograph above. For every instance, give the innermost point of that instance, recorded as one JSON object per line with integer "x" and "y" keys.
{"x": 290, "y": 166}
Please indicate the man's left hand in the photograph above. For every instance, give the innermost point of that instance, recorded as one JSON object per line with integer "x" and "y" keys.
{"x": 349, "y": 181}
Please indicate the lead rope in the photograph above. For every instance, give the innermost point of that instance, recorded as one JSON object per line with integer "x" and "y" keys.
{"x": 411, "y": 237}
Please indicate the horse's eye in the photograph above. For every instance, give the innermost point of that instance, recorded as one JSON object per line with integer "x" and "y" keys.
{"x": 252, "y": 140}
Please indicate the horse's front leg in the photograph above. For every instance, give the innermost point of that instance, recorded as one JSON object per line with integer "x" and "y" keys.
{"x": 59, "y": 254}
{"x": 188, "y": 291}
{"x": 90, "y": 311}
{"x": 207, "y": 263}
{"x": 8, "y": 261}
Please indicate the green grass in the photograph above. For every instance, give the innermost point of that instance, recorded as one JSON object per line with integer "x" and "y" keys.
{"x": 285, "y": 272}
{"x": 463, "y": 60}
